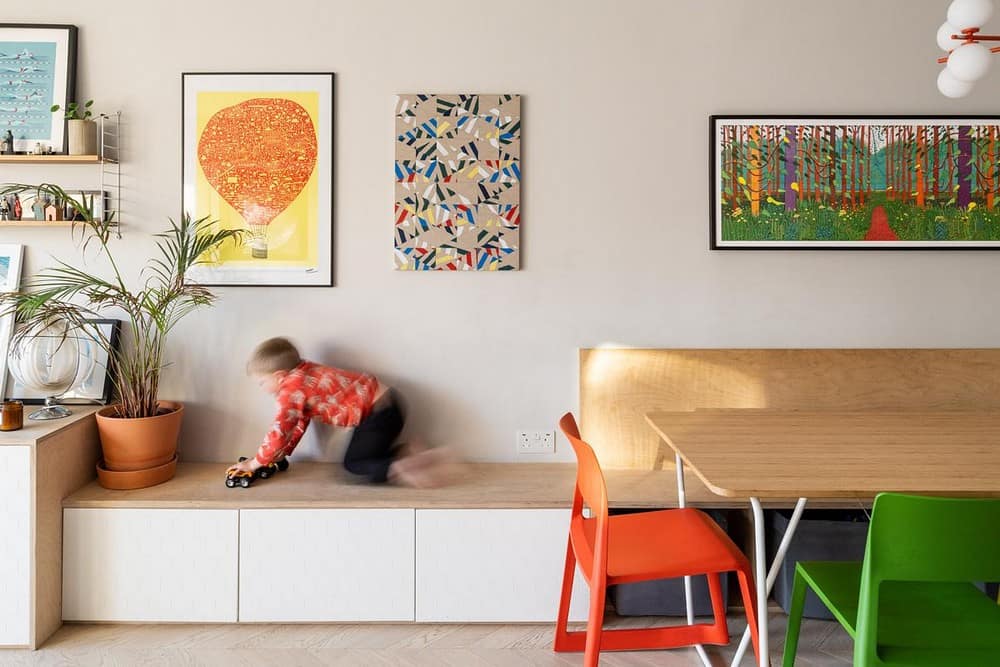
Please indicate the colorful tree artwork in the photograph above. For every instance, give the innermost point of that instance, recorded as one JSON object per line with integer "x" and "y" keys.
{"x": 855, "y": 182}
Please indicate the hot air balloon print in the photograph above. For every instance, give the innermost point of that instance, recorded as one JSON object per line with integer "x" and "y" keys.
{"x": 258, "y": 155}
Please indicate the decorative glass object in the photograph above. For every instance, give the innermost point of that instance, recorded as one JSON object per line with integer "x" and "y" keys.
{"x": 49, "y": 363}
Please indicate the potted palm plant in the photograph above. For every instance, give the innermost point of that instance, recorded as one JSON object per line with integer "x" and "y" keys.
{"x": 139, "y": 432}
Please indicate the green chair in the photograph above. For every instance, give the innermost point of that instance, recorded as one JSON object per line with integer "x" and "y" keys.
{"x": 912, "y": 601}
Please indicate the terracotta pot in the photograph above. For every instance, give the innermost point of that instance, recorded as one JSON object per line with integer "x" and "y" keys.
{"x": 82, "y": 137}
{"x": 138, "y": 444}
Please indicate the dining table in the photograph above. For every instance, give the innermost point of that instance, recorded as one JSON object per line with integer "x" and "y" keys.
{"x": 769, "y": 456}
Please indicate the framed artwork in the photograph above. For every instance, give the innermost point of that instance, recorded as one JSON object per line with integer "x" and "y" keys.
{"x": 36, "y": 208}
{"x": 458, "y": 182}
{"x": 855, "y": 182}
{"x": 37, "y": 70}
{"x": 94, "y": 382}
{"x": 10, "y": 280}
{"x": 258, "y": 156}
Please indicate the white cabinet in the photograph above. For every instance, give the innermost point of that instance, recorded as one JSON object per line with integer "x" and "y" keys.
{"x": 15, "y": 546}
{"x": 501, "y": 565}
{"x": 150, "y": 565}
{"x": 326, "y": 565}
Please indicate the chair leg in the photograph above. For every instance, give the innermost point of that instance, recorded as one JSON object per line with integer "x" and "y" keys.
{"x": 794, "y": 618}
{"x": 750, "y": 605}
{"x": 720, "y": 629}
{"x": 562, "y": 636}
{"x": 595, "y": 624}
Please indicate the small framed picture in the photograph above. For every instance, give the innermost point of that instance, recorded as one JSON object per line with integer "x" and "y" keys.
{"x": 10, "y": 280}
{"x": 37, "y": 71}
{"x": 94, "y": 383}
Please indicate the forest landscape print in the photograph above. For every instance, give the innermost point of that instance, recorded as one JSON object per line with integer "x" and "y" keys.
{"x": 855, "y": 182}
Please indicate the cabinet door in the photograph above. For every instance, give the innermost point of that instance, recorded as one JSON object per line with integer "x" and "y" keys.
{"x": 150, "y": 565}
{"x": 326, "y": 565}
{"x": 493, "y": 566}
{"x": 15, "y": 546}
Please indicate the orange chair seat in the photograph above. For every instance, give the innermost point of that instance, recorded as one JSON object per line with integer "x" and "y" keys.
{"x": 662, "y": 545}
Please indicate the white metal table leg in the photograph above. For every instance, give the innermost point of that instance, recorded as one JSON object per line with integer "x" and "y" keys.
{"x": 772, "y": 575}
{"x": 688, "y": 602}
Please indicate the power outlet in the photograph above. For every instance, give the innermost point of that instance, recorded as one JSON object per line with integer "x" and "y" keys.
{"x": 536, "y": 442}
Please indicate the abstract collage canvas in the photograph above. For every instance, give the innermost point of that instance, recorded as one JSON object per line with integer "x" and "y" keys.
{"x": 881, "y": 183}
{"x": 458, "y": 180}
{"x": 258, "y": 156}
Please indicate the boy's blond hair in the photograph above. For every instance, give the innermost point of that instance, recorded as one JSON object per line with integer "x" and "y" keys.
{"x": 274, "y": 354}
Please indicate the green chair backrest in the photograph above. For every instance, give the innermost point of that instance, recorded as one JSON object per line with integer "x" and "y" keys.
{"x": 924, "y": 539}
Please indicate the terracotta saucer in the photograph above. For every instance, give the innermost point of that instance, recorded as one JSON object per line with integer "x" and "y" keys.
{"x": 135, "y": 479}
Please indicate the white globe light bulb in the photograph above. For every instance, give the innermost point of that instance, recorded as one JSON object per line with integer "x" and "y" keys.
{"x": 970, "y": 13}
{"x": 944, "y": 40}
{"x": 969, "y": 62}
{"x": 952, "y": 87}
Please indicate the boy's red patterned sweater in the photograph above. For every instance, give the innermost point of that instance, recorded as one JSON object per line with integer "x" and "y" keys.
{"x": 313, "y": 391}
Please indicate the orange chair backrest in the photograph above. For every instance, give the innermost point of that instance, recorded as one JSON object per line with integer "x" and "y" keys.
{"x": 590, "y": 487}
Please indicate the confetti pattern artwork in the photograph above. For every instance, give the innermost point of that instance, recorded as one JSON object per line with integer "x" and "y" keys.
{"x": 458, "y": 178}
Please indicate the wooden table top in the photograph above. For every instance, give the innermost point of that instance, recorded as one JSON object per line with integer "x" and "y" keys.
{"x": 35, "y": 432}
{"x": 475, "y": 486}
{"x": 834, "y": 454}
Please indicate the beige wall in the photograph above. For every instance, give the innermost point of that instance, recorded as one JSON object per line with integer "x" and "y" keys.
{"x": 616, "y": 103}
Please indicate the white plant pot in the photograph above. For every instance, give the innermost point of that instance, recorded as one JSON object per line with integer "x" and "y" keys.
{"x": 82, "y": 137}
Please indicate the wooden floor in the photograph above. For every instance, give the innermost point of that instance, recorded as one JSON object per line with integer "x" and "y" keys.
{"x": 822, "y": 644}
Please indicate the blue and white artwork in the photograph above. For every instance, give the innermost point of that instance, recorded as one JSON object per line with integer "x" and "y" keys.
{"x": 36, "y": 72}
{"x": 27, "y": 77}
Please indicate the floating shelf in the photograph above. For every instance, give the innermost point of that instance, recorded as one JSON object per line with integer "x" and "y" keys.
{"x": 50, "y": 159}
{"x": 35, "y": 223}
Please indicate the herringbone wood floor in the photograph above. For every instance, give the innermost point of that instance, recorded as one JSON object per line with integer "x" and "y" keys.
{"x": 822, "y": 644}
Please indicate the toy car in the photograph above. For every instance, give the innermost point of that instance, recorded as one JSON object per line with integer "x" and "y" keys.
{"x": 245, "y": 479}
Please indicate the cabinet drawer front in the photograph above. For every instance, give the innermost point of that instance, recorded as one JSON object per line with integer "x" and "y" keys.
{"x": 326, "y": 565}
{"x": 150, "y": 565}
{"x": 15, "y": 546}
{"x": 493, "y": 566}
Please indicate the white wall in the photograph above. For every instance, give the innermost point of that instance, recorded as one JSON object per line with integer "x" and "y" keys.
{"x": 616, "y": 103}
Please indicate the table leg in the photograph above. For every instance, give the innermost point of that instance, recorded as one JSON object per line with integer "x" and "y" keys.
{"x": 765, "y": 584}
{"x": 688, "y": 602}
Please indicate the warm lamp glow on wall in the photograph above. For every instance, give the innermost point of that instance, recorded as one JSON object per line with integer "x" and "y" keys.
{"x": 967, "y": 60}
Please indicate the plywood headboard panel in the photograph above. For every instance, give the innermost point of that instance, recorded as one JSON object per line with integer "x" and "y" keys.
{"x": 618, "y": 386}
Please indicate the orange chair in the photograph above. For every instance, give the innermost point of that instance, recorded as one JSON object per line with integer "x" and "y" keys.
{"x": 623, "y": 549}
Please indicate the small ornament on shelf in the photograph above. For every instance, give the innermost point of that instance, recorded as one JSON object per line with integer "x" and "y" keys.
{"x": 8, "y": 143}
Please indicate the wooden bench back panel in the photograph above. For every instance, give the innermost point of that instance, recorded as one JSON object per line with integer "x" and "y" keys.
{"x": 618, "y": 386}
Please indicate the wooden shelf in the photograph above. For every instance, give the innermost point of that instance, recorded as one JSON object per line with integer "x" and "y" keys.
{"x": 50, "y": 159}
{"x": 36, "y": 223}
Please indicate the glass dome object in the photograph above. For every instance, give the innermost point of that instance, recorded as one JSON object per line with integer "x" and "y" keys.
{"x": 49, "y": 363}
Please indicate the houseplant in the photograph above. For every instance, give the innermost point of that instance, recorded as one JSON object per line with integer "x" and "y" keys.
{"x": 82, "y": 131}
{"x": 139, "y": 433}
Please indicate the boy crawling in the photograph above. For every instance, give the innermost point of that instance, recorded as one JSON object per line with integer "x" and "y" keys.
{"x": 306, "y": 390}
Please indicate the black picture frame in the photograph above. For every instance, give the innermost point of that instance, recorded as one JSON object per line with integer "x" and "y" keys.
{"x": 330, "y": 282}
{"x": 108, "y": 387}
{"x": 717, "y": 243}
{"x": 69, "y": 93}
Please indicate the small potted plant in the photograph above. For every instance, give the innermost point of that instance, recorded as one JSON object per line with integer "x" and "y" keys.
{"x": 81, "y": 130}
{"x": 139, "y": 432}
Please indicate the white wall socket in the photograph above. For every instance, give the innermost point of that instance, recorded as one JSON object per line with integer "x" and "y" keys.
{"x": 536, "y": 442}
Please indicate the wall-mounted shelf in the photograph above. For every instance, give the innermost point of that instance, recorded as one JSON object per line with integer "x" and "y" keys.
{"x": 51, "y": 159}
{"x": 36, "y": 223}
{"x": 107, "y": 160}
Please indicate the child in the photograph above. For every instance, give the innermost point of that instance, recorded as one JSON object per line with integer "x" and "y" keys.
{"x": 307, "y": 391}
